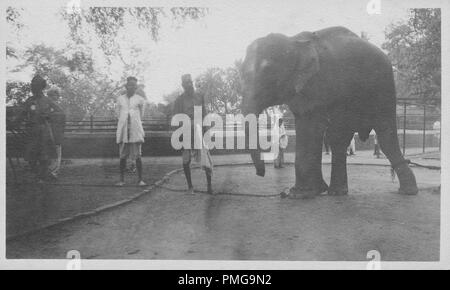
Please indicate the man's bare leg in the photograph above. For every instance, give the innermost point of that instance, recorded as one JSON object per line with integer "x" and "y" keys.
{"x": 123, "y": 165}
{"x": 139, "y": 171}
{"x": 208, "y": 180}
{"x": 187, "y": 173}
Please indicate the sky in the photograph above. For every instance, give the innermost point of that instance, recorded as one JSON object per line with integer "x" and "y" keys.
{"x": 219, "y": 39}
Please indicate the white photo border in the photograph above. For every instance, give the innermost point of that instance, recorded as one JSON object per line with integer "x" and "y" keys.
{"x": 444, "y": 262}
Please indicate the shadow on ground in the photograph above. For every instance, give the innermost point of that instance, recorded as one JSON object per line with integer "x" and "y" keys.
{"x": 82, "y": 187}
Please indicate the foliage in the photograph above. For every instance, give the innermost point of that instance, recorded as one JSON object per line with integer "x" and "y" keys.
{"x": 13, "y": 18}
{"x": 72, "y": 71}
{"x": 107, "y": 22}
{"x": 17, "y": 92}
{"x": 415, "y": 50}
{"x": 169, "y": 101}
{"x": 84, "y": 79}
{"x": 221, "y": 89}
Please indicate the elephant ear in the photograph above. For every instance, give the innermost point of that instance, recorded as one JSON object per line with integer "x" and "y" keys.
{"x": 307, "y": 63}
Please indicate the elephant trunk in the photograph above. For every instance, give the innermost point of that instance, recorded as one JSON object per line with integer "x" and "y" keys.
{"x": 254, "y": 153}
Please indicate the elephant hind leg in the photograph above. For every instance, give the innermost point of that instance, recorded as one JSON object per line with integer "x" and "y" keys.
{"x": 388, "y": 140}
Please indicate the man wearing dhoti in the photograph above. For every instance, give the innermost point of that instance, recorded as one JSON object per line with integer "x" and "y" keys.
{"x": 130, "y": 133}
{"x": 184, "y": 104}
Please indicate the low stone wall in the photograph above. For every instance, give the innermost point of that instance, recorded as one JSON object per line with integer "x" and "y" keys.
{"x": 103, "y": 145}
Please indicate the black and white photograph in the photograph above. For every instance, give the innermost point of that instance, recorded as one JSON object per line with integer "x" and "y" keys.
{"x": 225, "y": 135}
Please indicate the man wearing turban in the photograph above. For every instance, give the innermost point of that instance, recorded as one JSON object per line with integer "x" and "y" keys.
{"x": 184, "y": 104}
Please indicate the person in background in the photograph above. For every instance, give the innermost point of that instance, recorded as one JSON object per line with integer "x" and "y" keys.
{"x": 58, "y": 121}
{"x": 130, "y": 133}
{"x": 184, "y": 104}
{"x": 351, "y": 150}
{"x": 39, "y": 144}
{"x": 376, "y": 150}
{"x": 326, "y": 143}
{"x": 140, "y": 91}
{"x": 437, "y": 132}
{"x": 282, "y": 145}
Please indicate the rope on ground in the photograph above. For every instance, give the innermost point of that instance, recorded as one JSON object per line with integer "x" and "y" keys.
{"x": 425, "y": 166}
{"x": 218, "y": 193}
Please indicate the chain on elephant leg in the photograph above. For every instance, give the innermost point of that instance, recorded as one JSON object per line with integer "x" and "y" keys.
{"x": 338, "y": 190}
{"x": 339, "y": 183}
{"x": 308, "y": 188}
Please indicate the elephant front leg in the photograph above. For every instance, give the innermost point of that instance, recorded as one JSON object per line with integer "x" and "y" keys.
{"x": 308, "y": 159}
{"x": 339, "y": 180}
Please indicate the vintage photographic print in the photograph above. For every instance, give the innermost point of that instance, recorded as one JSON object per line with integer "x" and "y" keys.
{"x": 206, "y": 134}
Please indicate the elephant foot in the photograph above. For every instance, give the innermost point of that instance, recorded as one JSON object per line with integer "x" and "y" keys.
{"x": 408, "y": 185}
{"x": 306, "y": 193}
{"x": 338, "y": 191}
{"x": 295, "y": 193}
{"x": 410, "y": 190}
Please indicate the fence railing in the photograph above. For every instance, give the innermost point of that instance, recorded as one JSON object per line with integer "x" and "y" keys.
{"x": 413, "y": 118}
{"x": 101, "y": 125}
{"x": 424, "y": 119}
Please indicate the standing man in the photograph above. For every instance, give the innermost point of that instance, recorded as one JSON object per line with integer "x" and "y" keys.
{"x": 58, "y": 122}
{"x": 130, "y": 133}
{"x": 39, "y": 143}
{"x": 184, "y": 104}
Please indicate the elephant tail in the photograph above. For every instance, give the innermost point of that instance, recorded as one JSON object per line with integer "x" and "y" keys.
{"x": 363, "y": 133}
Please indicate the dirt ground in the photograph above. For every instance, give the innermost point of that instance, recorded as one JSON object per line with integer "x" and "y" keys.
{"x": 170, "y": 224}
{"x": 83, "y": 186}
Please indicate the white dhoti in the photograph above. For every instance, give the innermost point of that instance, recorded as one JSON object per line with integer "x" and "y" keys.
{"x": 200, "y": 156}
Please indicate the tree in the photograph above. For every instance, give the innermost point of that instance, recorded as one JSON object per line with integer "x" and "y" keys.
{"x": 85, "y": 82}
{"x": 106, "y": 22}
{"x": 13, "y": 16}
{"x": 221, "y": 89}
{"x": 415, "y": 50}
{"x": 83, "y": 89}
{"x": 17, "y": 92}
{"x": 13, "y": 19}
{"x": 166, "y": 108}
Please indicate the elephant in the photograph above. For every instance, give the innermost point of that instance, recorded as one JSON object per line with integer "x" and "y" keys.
{"x": 333, "y": 81}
